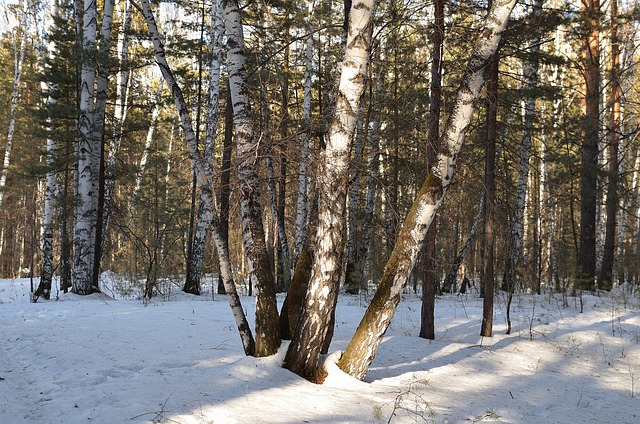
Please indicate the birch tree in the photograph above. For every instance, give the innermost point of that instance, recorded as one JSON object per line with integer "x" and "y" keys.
{"x": 205, "y": 211}
{"x": 304, "y": 351}
{"x": 199, "y": 164}
{"x": 88, "y": 150}
{"x": 363, "y": 346}
{"x": 51, "y": 183}
{"x": 267, "y": 330}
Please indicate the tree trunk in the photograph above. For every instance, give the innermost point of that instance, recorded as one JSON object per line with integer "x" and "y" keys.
{"x": 488, "y": 277}
{"x": 267, "y": 330}
{"x": 530, "y": 70}
{"x": 302, "y": 207}
{"x": 51, "y": 181}
{"x": 605, "y": 282}
{"x": 361, "y": 350}
{"x": 205, "y": 208}
{"x": 304, "y": 351}
{"x": 88, "y": 151}
{"x": 200, "y": 166}
{"x": 427, "y": 319}
{"x": 225, "y": 176}
{"x": 589, "y": 150}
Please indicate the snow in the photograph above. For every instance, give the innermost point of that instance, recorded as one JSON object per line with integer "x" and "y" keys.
{"x": 179, "y": 359}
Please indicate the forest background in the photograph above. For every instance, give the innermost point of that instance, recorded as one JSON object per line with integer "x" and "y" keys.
{"x": 101, "y": 171}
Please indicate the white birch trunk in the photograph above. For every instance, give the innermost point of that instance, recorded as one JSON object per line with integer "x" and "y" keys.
{"x": 361, "y": 350}
{"x": 206, "y": 205}
{"x": 304, "y": 351}
{"x": 200, "y": 166}
{"x": 302, "y": 207}
{"x": 267, "y": 331}
{"x": 87, "y": 173}
{"x": 516, "y": 234}
{"x": 18, "y": 56}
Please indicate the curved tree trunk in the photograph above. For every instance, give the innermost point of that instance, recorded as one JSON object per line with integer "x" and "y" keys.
{"x": 363, "y": 346}
{"x": 304, "y": 351}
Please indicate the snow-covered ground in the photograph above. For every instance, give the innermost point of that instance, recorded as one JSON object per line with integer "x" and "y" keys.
{"x": 179, "y": 360}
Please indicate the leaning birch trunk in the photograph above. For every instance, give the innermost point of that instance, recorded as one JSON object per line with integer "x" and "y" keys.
{"x": 17, "y": 73}
{"x": 120, "y": 111}
{"x": 199, "y": 165}
{"x": 304, "y": 351}
{"x": 517, "y": 220}
{"x": 51, "y": 182}
{"x": 267, "y": 330}
{"x": 205, "y": 208}
{"x": 88, "y": 150}
{"x": 361, "y": 350}
{"x": 302, "y": 209}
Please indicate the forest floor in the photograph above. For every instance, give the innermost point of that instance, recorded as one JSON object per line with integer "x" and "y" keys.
{"x": 179, "y": 359}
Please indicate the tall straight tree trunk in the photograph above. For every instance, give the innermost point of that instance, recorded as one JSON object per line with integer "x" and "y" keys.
{"x": 427, "y": 319}
{"x": 589, "y": 149}
{"x": 248, "y": 342}
{"x": 102, "y": 82}
{"x": 51, "y": 181}
{"x": 267, "y": 330}
{"x": 530, "y": 70}
{"x": 605, "y": 281}
{"x": 488, "y": 247}
{"x": 225, "y": 175}
{"x": 88, "y": 154}
{"x": 18, "y": 58}
{"x": 302, "y": 207}
{"x": 205, "y": 211}
{"x": 304, "y": 351}
{"x": 363, "y": 346}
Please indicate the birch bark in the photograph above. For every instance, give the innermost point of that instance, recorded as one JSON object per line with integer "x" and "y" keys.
{"x": 267, "y": 330}
{"x": 199, "y": 165}
{"x": 88, "y": 150}
{"x": 304, "y": 351}
{"x": 363, "y": 346}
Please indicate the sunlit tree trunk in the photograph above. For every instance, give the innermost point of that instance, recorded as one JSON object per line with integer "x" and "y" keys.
{"x": 267, "y": 330}
{"x": 304, "y": 351}
{"x": 88, "y": 151}
{"x": 302, "y": 207}
{"x": 363, "y": 346}
{"x": 51, "y": 181}
{"x": 530, "y": 71}
{"x": 205, "y": 208}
